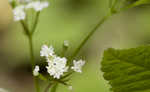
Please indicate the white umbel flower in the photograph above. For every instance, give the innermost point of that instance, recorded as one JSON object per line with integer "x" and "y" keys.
{"x": 37, "y": 5}
{"x": 3, "y": 90}
{"x": 78, "y": 65}
{"x": 46, "y": 51}
{"x": 36, "y": 71}
{"x": 19, "y": 13}
{"x": 57, "y": 67}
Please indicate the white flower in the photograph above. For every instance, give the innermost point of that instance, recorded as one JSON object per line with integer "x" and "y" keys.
{"x": 19, "y": 13}
{"x": 78, "y": 65}
{"x": 57, "y": 67}
{"x": 38, "y": 5}
{"x": 36, "y": 71}
{"x": 47, "y": 51}
{"x": 3, "y": 90}
{"x": 66, "y": 43}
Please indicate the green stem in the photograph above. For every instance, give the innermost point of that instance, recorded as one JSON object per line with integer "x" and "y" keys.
{"x": 36, "y": 81}
{"x": 31, "y": 51}
{"x": 33, "y": 62}
{"x": 26, "y": 30}
{"x": 35, "y": 23}
{"x": 90, "y": 34}
{"x": 29, "y": 35}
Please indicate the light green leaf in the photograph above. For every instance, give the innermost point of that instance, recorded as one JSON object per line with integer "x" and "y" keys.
{"x": 127, "y": 70}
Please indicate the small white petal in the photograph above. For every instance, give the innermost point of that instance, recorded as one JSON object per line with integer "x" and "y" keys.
{"x": 78, "y": 65}
{"x": 36, "y": 71}
{"x": 46, "y": 51}
{"x": 19, "y": 13}
{"x": 38, "y": 5}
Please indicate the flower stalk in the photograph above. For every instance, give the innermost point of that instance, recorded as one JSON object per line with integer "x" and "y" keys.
{"x": 32, "y": 58}
{"x": 102, "y": 21}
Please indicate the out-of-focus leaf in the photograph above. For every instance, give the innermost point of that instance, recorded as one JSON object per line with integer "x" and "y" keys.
{"x": 127, "y": 70}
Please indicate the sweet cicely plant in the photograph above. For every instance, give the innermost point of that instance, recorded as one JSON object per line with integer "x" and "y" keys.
{"x": 59, "y": 67}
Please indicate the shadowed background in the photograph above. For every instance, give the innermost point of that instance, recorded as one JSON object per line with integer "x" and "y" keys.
{"x": 69, "y": 20}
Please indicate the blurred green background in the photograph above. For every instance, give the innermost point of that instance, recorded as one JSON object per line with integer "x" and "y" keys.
{"x": 69, "y": 20}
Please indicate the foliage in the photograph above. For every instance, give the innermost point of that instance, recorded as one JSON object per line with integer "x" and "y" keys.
{"x": 127, "y": 70}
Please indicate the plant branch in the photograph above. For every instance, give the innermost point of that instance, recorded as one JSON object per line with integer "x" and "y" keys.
{"x": 90, "y": 34}
{"x": 26, "y": 30}
{"x": 35, "y": 23}
{"x": 30, "y": 38}
{"x": 31, "y": 51}
{"x": 110, "y": 13}
{"x": 33, "y": 62}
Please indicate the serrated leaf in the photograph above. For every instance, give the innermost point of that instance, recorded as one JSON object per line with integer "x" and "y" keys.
{"x": 127, "y": 70}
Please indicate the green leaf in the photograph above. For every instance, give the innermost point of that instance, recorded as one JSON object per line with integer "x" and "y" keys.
{"x": 127, "y": 70}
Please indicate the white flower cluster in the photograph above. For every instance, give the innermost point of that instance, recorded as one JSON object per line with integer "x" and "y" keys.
{"x": 20, "y": 10}
{"x": 37, "y": 5}
{"x": 78, "y": 65}
{"x": 57, "y": 66}
{"x": 19, "y": 13}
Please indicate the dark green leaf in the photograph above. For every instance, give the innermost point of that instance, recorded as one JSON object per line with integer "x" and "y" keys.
{"x": 127, "y": 70}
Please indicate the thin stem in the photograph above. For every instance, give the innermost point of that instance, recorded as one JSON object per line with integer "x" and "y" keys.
{"x": 35, "y": 23}
{"x": 31, "y": 51}
{"x": 90, "y": 34}
{"x": 26, "y": 30}
{"x": 29, "y": 35}
{"x": 33, "y": 62}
